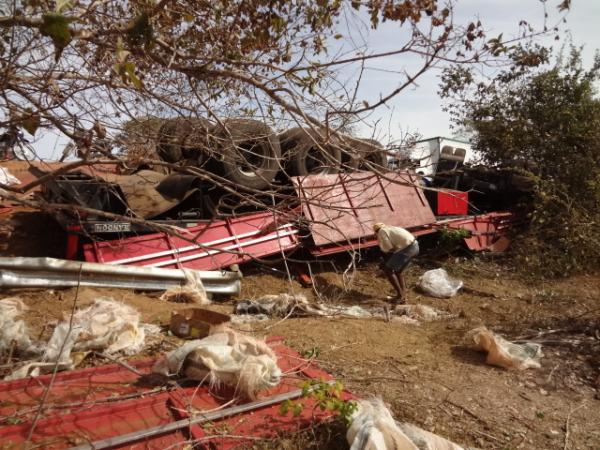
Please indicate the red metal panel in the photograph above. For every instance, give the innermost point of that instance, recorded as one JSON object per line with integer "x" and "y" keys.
{"x": 344, "y": 207}
{"x": 208, "y": 246}
{"x": 452, "y": 203}
{"x": 488, "y": 231}
{"x": 88, "y": 405}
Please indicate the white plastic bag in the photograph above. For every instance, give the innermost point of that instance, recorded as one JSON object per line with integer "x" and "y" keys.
{"x": 504, "y": 353}
{"x": 437, "y": 283}
{"x": 192, "y": 292}
{"x": 106, "y": 325}
{"x": 242, "y": 362}
{"x": 12, "y": 329}
{"x": 374, "y": 428}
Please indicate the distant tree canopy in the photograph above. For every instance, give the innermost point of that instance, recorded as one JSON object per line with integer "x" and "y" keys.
{"x": 67, "y": 64}
{"x": 548, "y": 116}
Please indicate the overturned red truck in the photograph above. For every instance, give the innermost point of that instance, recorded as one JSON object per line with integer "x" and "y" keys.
{"x": 305, "y": 189}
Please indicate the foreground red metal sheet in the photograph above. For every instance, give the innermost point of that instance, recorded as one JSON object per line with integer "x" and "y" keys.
{"x": 344, "y": 207}
{"x": 209, "y": 246}
{"x": 88, "y": 405}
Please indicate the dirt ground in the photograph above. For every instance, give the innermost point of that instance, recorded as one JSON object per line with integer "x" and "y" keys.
{"x": 427, "y": 374}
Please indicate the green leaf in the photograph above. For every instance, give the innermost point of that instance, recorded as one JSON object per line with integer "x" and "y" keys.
{"x": 297, "y": 410}
{"x": 56, "y": 27}
{"x": 284, "y": 407}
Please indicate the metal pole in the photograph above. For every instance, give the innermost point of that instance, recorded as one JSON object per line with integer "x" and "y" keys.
{"x": 173, "y": 426}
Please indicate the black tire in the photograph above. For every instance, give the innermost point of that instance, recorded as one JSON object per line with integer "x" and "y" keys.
{"x": 196, "y": 146}
{"x": 249, "y": 152}
{"x": 171, "y": 135}
{"x": 370, "y": 155}
{"x": 303, "y": 156}
{"x": 184, "y": 139}
{"x": 349, "y": 159}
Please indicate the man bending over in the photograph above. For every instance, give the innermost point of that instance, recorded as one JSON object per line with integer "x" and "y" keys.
{"x": 402, "y": 247}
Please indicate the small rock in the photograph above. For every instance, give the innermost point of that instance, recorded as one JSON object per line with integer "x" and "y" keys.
{"x": 543, "y": 392}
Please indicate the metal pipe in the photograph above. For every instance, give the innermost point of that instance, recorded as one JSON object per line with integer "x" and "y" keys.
{"x": 49, "y": 272}
{"x": 173, "y": 426}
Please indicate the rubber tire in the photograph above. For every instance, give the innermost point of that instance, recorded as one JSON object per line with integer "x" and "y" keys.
{"x": 196, "y": 145}
{"x": 299, "y": 143}
{"x": 257, "y": 174}
{"x": 171, "y": 135}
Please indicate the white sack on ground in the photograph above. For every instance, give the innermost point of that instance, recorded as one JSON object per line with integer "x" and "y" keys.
{"x": 192, "y": 292}
{"x": 374, "y": 428}
{"x": 13, "y": 329}
{"x": 106, "y": 325}
{"x": 437, "y": 283}
{"x": 8, "y": 178}
{"x": 242, "y": 362}
{"x": 504, "y": 353}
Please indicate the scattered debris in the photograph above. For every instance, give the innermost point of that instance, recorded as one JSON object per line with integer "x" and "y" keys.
{"x": 13, "y": 331}
{"x": 506, "y": 354}
{"x": 437, "y": 283}
{"x": 282, "y": 305}
{"x": 106, "y": 325}
{"x": 7, "y": 179}
{"x": 226, "y": 358}
{"x": 51, "y": 273}
{"x": 195, "y": 322}
{"x": 374, "y": 428}
{"x": 192, "y": 292}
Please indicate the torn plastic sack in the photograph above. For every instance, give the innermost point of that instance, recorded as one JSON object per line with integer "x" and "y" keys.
{"x": 374, "y": 428}
{"x": 106, "y": 325}
{"x": 7, "y": 179}
{"x": 278, "y": 305}
{"x": 281, "y": 305}
{"x": 437, "y": 283}
{"x": 504, "y": 353}
{"x": 13, "y": 329}
{"x": 192, "y": 292}
{"x": 241, "y": 362}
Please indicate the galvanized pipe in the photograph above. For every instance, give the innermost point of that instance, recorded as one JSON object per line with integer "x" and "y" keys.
{"x": 54, "y": 273}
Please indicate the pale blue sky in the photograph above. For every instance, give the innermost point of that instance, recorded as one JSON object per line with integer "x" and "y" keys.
{"x": 419, "y": 108}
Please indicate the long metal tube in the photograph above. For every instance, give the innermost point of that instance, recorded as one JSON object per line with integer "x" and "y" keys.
{"x": 49, "y": 272}
{"x": 173, "y": 426}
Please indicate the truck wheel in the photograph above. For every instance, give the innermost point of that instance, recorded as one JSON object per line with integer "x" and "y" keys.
{"x": 195, "y": 146}
{"x": 249, "y": 152}
{"x": 171, "y": 135}
{"x": 304, "y": 157}
{"x": 371, "y": 153}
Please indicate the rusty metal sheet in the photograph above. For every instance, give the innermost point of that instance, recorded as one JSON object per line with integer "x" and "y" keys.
{"x": 344, "y": 207}
{"x": 84, "y": 406}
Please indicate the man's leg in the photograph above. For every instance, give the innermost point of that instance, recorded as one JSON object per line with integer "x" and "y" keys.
{"x": 395, "y": 282}
{"x": 402, "y": 283}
